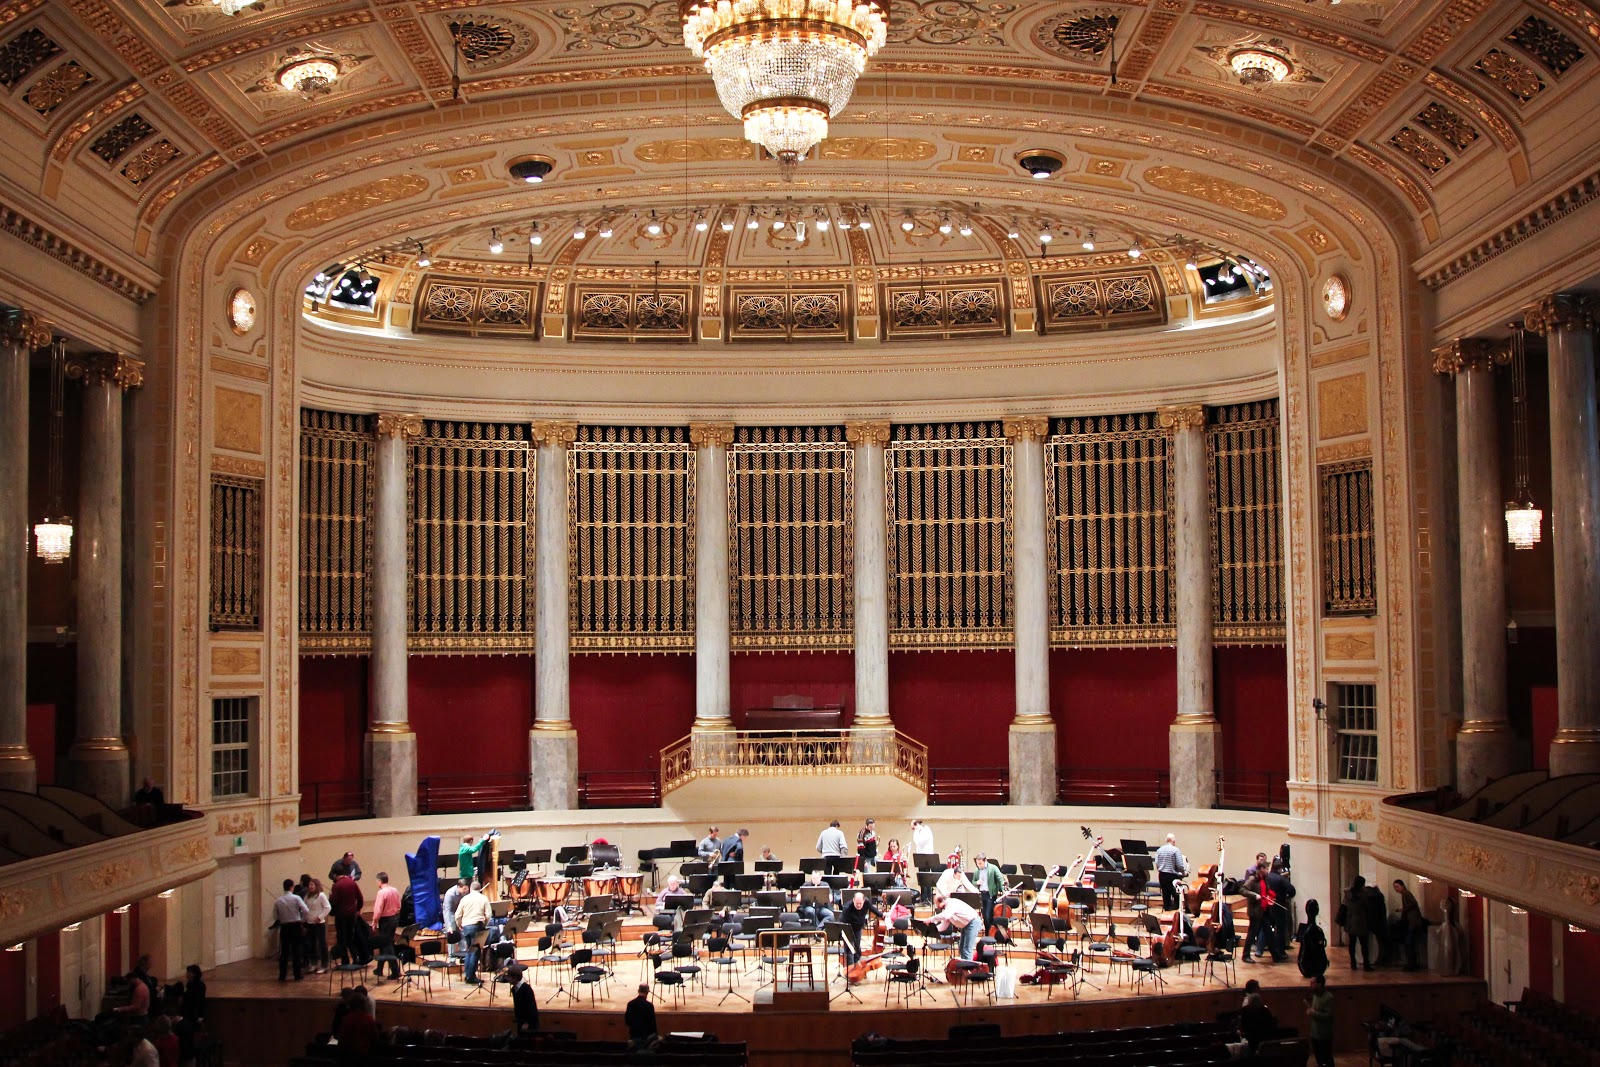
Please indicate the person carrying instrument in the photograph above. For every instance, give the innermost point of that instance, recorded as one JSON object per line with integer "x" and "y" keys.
{"x": 953, "y": 914}
{"x": 857, "y": 913}
{"x": 710, "y": 847}
{"x": 953, "y": 880}
{"x": 867, "y": 846}
{"x": 897, "y": 860}
{"x": 1170, "y": 866}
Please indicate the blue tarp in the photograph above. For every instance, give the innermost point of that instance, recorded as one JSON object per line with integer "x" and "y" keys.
{"x": 423, "y": 867}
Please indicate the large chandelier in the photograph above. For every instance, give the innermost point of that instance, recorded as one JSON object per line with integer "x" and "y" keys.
{"x": 309, "y": 75}
{"x": 784, "y": 66}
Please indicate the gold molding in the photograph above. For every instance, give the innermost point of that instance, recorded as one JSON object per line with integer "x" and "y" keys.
{"x": 24, "y": 327}
{"x": 1469, "y": 353}
{"x": 107, "y": 368}
{"x": 554, "y": 432}
{"x": 1181, "y": 417}
{"x": 1027, "y": 428}
{"x": 396, "y": 424}
{"x": 711, "y": 433}
{"x": 870, "y": 432}
{"x": 1560, "y": 311}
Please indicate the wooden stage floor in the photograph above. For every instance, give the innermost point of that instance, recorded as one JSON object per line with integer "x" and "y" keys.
{"x": 262, "y": 1021}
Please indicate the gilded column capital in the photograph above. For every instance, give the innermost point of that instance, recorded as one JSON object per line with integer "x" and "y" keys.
{"x": 554, "y": 432}
{"x": 107, "y": 368}
{"x": 1180, "y": 417}
{"x": 1027, "y": 428}
{"x": 1560, "y": 311}
{"x": 1470, "y": 353}
{"x": 397, "y": 424}
{"x": 871, "y": 432}
{"x": 25, "y": 328}
{"x": 711, "y": 433}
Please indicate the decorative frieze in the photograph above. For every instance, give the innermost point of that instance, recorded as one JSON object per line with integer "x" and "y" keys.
{"x": 643, "y": 313}
{"x": 475, "y": 308}
{"x": 1083, "y": 301}
{"x": 945, "y": 309}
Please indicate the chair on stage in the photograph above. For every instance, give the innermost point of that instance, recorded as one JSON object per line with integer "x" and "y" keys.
{"x": 721, "y": 959}
{"x": 1220, "y": 954}
{"x": 1143, "y": 968}
{"x": 550, "y": 948}
{"x": 906, "y": 979}
{"x": 797, "y": 963}
{"x": 666, "y": 979}
{"x": 1091, "y": 948}
{"x": 685, "y": 960}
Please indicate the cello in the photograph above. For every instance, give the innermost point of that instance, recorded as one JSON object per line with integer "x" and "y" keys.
{"x": 869, "y": 961}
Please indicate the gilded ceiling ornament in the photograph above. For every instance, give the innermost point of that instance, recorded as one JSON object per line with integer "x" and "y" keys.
{"x": 1083, "y": 35}
{"x": 1304, "y": 71}
{"x": 340, "y": 205}
{"x": 1027, "y": 428}
{"x": 489, "y": 41}
{"x": 53, "y": 90}
{"x": 121, "y": 137}
{"x": 699, "y": 150}
{"x": 950, "y": 22}
{"x": 892, "y": 149}
{"x": 625, "y": 25}
{"x": 24, "y": 54}
{"x": 1219, "y": 191}
{"x": 554, "y": 432}
{"x": 1449, "y": 126}
{"x": 395, "y": 424}
{"x": 1420, "y": 149}
{"x": 150, "y": 160}
{"x": 711, "y": 433}
{"x": 871, "y": 432}
{"x": 1469, "y": 353}
{"x": 1553, "y": 50}
{"x": 1511, "y": 74}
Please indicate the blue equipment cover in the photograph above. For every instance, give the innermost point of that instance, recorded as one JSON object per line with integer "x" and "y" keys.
{"x": 423, "y": 867}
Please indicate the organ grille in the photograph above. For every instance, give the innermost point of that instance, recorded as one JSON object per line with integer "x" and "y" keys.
{"x": 235, "y": 553}
{"x": 335, "y": 537}
{"x": 1246, "y": 523}
{"x": 1349, "y": 572}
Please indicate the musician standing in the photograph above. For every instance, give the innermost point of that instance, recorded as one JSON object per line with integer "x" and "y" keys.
{"x": 867, "y": 846}
{"x": 831, "y": 844}
{"x": 1170, "y": 866}
{"x": 733, "y": 847}
{"x": 991, "y": 886}
{"x": 953, "y": 914}
{"x": 710, "y": 847}
{"x": 856, "y": 915}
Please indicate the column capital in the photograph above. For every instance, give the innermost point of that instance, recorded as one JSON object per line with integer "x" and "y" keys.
{"x": 107, "y": 368}
{"x": 397, "y": 424}
{"x": 1560, "y": 311}
{"x": 1027, "y": 428}
{"x": 1180, "y": 417}
{"x": 26, "y": 328}
{"x": 554, "y": 432}
{"x": 711, "y": 433}
{"x": 1469, "y": 353}
{"x": 868, "y": 432}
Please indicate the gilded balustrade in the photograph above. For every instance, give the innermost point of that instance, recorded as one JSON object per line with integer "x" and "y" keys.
{"x": 793, "y": 754}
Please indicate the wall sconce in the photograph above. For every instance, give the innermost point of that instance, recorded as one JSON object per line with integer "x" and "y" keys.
{"x": 166, "y": 894}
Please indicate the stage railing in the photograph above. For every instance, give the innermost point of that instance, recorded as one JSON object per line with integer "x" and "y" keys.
{"x": 969, "y": 785}
{"x": 326, "y": 801}
{"x": 619, "y": 789}
{"x": 1253, "y": 790}
{"x": 1118, "y": 786}
{"x": 793, "y": 753}
{"x": 447, "y": 794}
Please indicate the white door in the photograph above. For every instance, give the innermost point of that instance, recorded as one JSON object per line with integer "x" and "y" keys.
{"x": 83, "y": 969}
{"x": 233, "y": 909}
{"x": 1508, "y": 952}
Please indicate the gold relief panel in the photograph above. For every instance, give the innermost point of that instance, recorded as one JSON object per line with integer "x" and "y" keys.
{"x": 878, "y": 149}
{"x": 235, "y": 660}
{"x": 632, "y": 313}
{"x": 1325, "y": 357}
{"x": 234, "y": 823}
{"x": 102, "y": 877}
{"x": 339, "y": 206}
{"x": 698, "y": 150}
{"x": 945, "y": 309}
{"x": 1346, "y": 450}
{"x": 1342, "y": 406}
{"x": 474, "y": 308}
{"x": 1219, "y": 191}
{"x": 284, "y": 818}
{"x": 1346, "y": 645}
{"x": 819, "y": 314}
{"x": 1088, "y": 300}
{"x": 236, "y": 420}
{"x": 18, "y": 902}
{"x": 194, "y": 850}
{"x": 1347, "y": 809}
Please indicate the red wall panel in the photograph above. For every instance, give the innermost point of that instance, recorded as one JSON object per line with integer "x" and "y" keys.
{"x": 47, "y": 966}
{"x": 13, "y": 989}
{"x": 1250, "y": 691}
{"x": 1475, "y": 935}
{"x": 626, "y": 709}
{"x": 471, "y": 713}
{"x": 959, "y": 704}
{"x": 1546, "y": 720}
{"x": 1541, "y": 955}
{"x": 112, "y": 955}
{"x": 1112, "y": 706}
{"x": 1581, "y": 955}
{"x": 333, "y": 718}
{"x": 42, "y": 741}
{"x": 826, "y": 677}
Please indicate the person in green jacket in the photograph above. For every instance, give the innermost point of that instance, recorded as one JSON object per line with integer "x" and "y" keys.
{"x": 1319, "y": 1009}
{"x": 467, "y": 856}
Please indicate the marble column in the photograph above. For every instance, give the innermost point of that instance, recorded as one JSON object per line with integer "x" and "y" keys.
{"x": 20, "y": 334}
{"x": 871, "y": 638}
{"x": 1485, "y": 743}
{"x": 1567, "y": 322}
{"x": 1194, "y": 740}
{"x": 391, "y": 744}
{"x": 1031, "y": 740}
{"x": 552, "y": 743}
{"x": 98, "y": 759}
{"x": 711, "y": 609}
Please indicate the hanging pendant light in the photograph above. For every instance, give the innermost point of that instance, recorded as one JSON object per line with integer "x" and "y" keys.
{"x": 52, "y": 538}
{"x": 1524, "y": 519}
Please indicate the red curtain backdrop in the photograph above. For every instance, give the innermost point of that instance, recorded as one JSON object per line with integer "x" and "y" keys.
{"x": 1250, "y": 690}
{"x": 959, "y": 704}
{"x": 112, "y": 954}
{"x": 1112, "y": 706}
{"x": 42, "y": 741}
{"x": 755, "y": 678}
{"x": 1541, "y": 954}
{"x": 471, "y": 713}
{"x": 333, "y": 717}
{"x": 626, "y": 709}
{"x": 1581, "y": 955}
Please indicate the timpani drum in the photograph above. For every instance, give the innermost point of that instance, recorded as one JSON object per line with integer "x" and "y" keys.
{"x": 630, "y": 887}
{"x": 600, "y": 885}
{"x": 552, "y": 892}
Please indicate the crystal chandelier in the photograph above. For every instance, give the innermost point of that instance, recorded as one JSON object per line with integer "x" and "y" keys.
{"x": 233, "y": 7}
{"x": 1257, "y": 66}
{"x": 1523, "y": 517}
{"x": 784, "y": 66}
{"x": 52, "y": 538}
{"x": 309, "y": 75}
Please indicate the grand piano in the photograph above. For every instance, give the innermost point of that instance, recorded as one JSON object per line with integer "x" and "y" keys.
{"x": 795, "y": 711}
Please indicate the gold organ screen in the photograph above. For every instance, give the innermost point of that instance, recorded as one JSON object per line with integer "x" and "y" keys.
{"x": 1246, "y": 523}
{"x": 472, "y": 498}
{"x": 791, "y": 538}
{"x": 949, "y": 500}
{"x": 335, "y": 536}
{"x": 1349, "y": 571}
{"x": 1108, "y": 490}
{"x": 235, "y": 553}
{"x": 630, "y": 529}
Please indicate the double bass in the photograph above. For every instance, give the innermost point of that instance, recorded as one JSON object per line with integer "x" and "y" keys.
{"x": 869, "y": 961}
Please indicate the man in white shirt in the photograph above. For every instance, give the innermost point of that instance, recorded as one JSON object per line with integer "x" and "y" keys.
{"x": 472, "y": 915}
{"x": 953, "y": 914}
{"x": 832, "y": 846}
{"x": 289, "y": 912}
{"x": 921, "y": 837}
{"x": 954, "y": 879}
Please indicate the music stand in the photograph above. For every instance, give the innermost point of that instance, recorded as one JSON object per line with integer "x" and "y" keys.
{"x": 750, "y": 883}
{"x": 975, "y": 900}
{"x": 837, "y": 932}
{"x": 812, "y": 863}
{"x": 687, "y": 848}
{"x": 789, "y": 879}
{"x": 814, "y": 895}
{"x": 837, "y": 882}
{"x": 1083, "y": 900}
{"x": 693, "y": 867}
{"x": 1035, "y": 871}
{"x": 499, "y": 909}
{"x": 899, "y": 896}
{"x": 840, "y": 864}
{"x": 700, "y": 883}
{"x": 928, "y": 881}
{"x": 765, "y": 866}
{"x": 1133, "y": 846}
{"x": 877, "y": 882}
{"x": 729, "y": 870}
{"x": 927, "y": 861}
{"x": 572, "y": 853}
{"x": 677, "y": 901}
{"x": 726, "y": 898}
{"x": 578, "y": 870}
{"x": 772, "y": 898}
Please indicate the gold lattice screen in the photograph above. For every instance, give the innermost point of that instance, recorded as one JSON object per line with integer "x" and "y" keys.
{"x": 949, "y": 499}
{"x": 235, "y": 553}
{"x": 1109, "y": 494}
{"x": 335, "y": 538}
{"x": 1246, "y": 523}
{"x": 791, "y": 537}
{"x": 472, "y": 494}
{"x": 1349, "y": 571}
{"x": 630, "y": 529}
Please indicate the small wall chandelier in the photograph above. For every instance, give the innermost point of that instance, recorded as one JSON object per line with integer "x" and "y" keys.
{"x": 233, "y": 7}
{"x": 1257, "y": 66}
{"x": 309, "y": 75}
{"x": 785, "y": 67}
{"x": 52, "y": 538}
{"x": 1524, "y": 520}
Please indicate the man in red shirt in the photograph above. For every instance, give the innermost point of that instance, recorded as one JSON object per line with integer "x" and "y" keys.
{"x": 347, "y": 901}
{"x": 385, "y": 921}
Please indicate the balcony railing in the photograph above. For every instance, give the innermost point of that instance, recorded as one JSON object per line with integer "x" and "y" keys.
{"x": 448, "y": 794}
{"x": 1123, "y": 787}
{"x": 1253, "y": 790}
{"x": 793, "y": 753}
{"x": 619, "y": 789}
{"x": 326, "y": 801}
{"x": 969, "y": 785}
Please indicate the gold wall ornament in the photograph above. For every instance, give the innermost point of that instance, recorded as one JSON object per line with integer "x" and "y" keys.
{"x": 232, "y": 824}
{"x": 867, "y": 433}
{"x": 26, "y": 329}
{"x": 1560, "y": 311}
{"x": 1469, "y": 353}
{"x": 396, "y": 424}
{"x": 1026, "y": 428}
{"x": 1181, "y": 417}
{"x": 1342, "y": 406}
{"x": 697, "y": 150}
{"x": 554, "y": 432}
{"x": 335, "y": 531}
{"x": 107, "y": 368}
{"x": 1245, "y": 479}
{"x": 711, "y": 433}
{"x": 335, "y": 207}
{"x": 878, "y": 149}
{"x": 1218, "y": 191}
